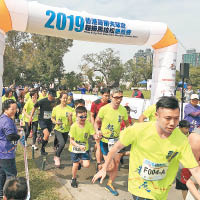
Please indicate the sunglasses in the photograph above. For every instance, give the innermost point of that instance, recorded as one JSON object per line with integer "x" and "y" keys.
{"x": 83, "y": 117}
{"x": 118, "y": 97}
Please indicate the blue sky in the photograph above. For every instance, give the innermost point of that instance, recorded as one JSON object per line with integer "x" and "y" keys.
{"x": 182, "y": 17}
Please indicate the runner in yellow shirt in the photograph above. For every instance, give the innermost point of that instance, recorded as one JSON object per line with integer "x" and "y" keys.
{"x": 110, "y": 117}
{"x": 149, "y": 114}
{"x": 62, "y": 118}
{"x": 43, "y": 94}
{"x": 79, "y": 133}
{"x": 156, "y": 150}
{"x": 27, "y": 113}
{"x": 8, "y": 95}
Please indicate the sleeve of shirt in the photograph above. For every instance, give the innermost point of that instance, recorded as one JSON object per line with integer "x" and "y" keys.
{"x": 128, "y": 135}
{"x": 147, "y": 112}
{"x": 92, "y": 108}
{"x": 125, "y": 115}
{"x": 53, "y": 112}
{"x": 188, "y": 109}
{"x": 101, "y": 113}
{"x": 92, "y": 131}
{"x": 8, "y": 128}
{"x": 187, "y": 158}
{"x": 38, "y": 103}
{"x": 72, "y": 131}
{"x": 26, "y": 105}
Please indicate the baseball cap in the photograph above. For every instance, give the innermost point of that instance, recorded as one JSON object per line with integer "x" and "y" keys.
{"x": 194, "y": 96}
{"x": 52, "y": 92}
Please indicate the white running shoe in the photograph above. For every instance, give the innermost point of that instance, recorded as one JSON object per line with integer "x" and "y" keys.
{"x": 35, "y": 148}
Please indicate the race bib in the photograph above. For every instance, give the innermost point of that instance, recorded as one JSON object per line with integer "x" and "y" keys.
{"x": 47, "y": 114}
{"x": 111, "y": 143}
{"x": 153, "y": 171}
{"x": 77, "y": 149}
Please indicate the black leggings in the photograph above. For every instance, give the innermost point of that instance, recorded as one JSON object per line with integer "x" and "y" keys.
{"x": 34, "y": 127}
{"x": 62, "y": 139}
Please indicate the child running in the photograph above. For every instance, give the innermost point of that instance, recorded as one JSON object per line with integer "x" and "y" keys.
{"x": 79, "y": 134}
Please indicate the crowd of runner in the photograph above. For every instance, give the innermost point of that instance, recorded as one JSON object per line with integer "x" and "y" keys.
{"x": 155, "y": 148}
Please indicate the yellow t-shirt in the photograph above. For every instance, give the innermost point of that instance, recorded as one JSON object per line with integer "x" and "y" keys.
{"x": 61, "y": 114}
{"x": 58, "y": 94}
{"x": 150, "y": 112}
{"x": 4, "y": 98}
{"x": 81, "y": 135}
{"x": 111, "y": 121}
{"x": 27, "y": 97}
{"x": 28, "y": 107}
{"x": 151, "y": 156}
{"x": 42, "y": 97}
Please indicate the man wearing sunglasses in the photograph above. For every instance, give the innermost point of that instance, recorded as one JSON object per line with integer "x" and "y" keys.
{"x": 110, "y": 117}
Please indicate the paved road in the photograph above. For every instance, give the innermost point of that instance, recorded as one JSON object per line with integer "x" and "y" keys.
{"x": 86, "y": 190}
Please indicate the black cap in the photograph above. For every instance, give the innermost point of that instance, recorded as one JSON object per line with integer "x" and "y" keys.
{"x": 52, "y": 92}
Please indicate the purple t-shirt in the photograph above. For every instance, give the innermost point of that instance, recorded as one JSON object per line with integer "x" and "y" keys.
{"x": 194, "y": 121}
{"x": 7, "y": 127}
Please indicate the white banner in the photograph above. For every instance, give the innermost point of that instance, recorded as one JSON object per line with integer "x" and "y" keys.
{"x": 137, "y": 105}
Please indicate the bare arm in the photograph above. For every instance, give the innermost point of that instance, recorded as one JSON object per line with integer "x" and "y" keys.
{"x": 142, "y": 118}
{"x": 96, "y": 126}
{"x": 92, "y": 118}
{"x": 196, "y": 174}
{"x": 192, "y": 188}
{"x": 126, "y": 123}
{"x": 102, "y": 173}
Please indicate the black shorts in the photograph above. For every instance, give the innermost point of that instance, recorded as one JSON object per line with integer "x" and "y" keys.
{"x": 46, "y": 123}
{"x": 180, "y": 186}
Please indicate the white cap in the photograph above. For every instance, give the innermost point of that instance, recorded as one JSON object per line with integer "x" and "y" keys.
{"x": 194, "y": 96}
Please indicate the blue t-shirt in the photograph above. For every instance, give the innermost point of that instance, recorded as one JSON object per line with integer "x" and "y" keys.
{"x": 83, "y": 90}
{"x": 194, "y": 121}
{"x": 7, "y": 127}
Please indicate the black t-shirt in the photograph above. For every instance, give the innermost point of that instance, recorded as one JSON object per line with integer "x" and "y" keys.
{"x": 46, "y": 108}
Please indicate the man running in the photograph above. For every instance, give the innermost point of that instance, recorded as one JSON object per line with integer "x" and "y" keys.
{"x": 156, "y": 150}
{"x": 110, "y": 117}
{"x": 95, "y": 107}
{"x": 46, "y": 106}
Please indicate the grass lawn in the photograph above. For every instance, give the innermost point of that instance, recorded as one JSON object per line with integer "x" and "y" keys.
{"x": 43, "y": 185}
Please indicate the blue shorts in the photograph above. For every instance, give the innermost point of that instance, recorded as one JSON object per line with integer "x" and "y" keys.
{"x": 76, "y": 157}
{"x": 104, "y": 148}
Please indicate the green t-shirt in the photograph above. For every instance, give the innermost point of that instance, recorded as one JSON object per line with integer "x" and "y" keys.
{"x": 28, "y": 107}
{"x": 150, "y": 112}
{"x": 111, "y": 121}
{"x": 60, "y": 113}
{"x": 27, "y": 97}
{"x": 4, "y": 98}
{"x": 81, "y": 135}
{"x": 154, "y": 161}
{"x": 42, "y": 97}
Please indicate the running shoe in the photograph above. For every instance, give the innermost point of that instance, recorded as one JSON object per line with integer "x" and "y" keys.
{"x": 35, "y": 148}
{"x": 74, "y": 183}
{"x": 57, "y": 161}
{"x": 111, "y": 189}
{"x": 44, "y": 153}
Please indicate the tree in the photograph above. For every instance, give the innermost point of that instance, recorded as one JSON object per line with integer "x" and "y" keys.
{"x": 133, "y": 73}
{"x": 107, "y": 63}
{"x": 39, "y": 58}
{"x": 72, "y": 80}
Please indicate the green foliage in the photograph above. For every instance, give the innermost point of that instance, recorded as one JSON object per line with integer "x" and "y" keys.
{"x": 107, "y": 63}
{"x": 72, "y": 80}
{"x": 33, "y": 58}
